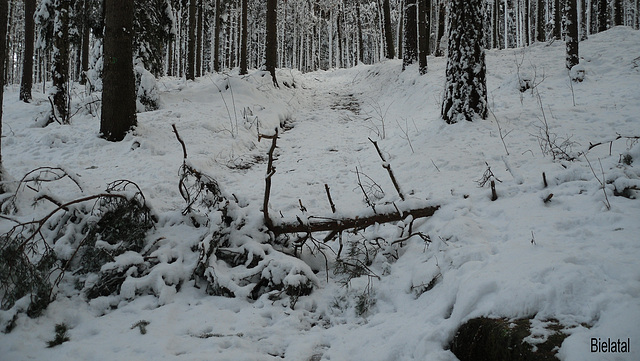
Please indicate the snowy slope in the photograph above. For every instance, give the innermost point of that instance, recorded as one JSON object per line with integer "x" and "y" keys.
{"x": 570, "y": 259}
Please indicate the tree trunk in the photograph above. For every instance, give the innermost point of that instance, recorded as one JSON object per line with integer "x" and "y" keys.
{"x": 423, "y": 38}
{"x": 571, "y": 15}
{"x": 340, "y": 50}
{"x": 60, "y": 69}
{"x": 271, "y": 41}
{"x": 557, "y": 22}
{"x": 619, "y": 12}
{"x": 584, "y": 23}
{"x": 191, "y": 41}
{"x": 118, "y": 81}
{"x": 245, "y": 34}
{"x": 465, "y": 89}
{"x": 216, "y": 39}
{"x": 400, "y": 38}
{"x": 4, "y": 10}
{"x": 388, "y": 33}
{"x": 199, "y": 40}
{"x": 541, "y": 35}
{"x": 27, "y": 65}
{"x": 603, "y": 16}
{"x": 360, "y": 39}
{"x": 496, "y": 24}
{"x": 410, "y": 33}
{"x": 527, "y": 31}
{"x": 441, "y": 20}
{"x": 86, "y": 34}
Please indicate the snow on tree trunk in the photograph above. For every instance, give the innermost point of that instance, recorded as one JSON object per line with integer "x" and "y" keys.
{"x": 60, "y": 69}
{"x": 118, "y": 81}
{"x": 465, "y": 89}
{"x": 571, "y": 16}
{"x": 410, "y": 55}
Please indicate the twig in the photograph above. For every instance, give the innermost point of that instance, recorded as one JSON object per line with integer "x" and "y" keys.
{"x": 333, "y": 206}
{"x": 387, "y": 166}
{"x": 184, "y": 147}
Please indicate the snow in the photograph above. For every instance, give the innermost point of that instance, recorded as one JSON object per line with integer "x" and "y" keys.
{"x": 570, "y": 259}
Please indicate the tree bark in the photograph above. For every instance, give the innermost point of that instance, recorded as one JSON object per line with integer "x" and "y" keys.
{"x": 27, "y": 64}
{"x": 191, "y": 41}
{"x": 619, "y": 12}
{"x": 360, "y": 39}
{"x": 118, "y": 81}
{"x": 199, "y": 40}
{"x": 527, "y": 31}
{"x": 465, "y": 88}
{"x": 424, "y": 27}
{"x": 4, "y": 9}
{"x": 541, "y": 35}
{"x": 245, "y": 34}
{"x": 271, "y": 41}
{"x": 216, "y": 38}
{"x": 390, "y": 214}
{"x": 410, "y": 55}
{"x": 557, "y": 19}
{"x": 603, "y": 16}
{"x": 60, "y": 69}
{"x": 571, "y": 15}
{"x": 388, "y": 33}
{"x": 86, "y": 32}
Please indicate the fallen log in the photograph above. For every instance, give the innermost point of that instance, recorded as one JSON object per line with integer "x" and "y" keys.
{"x": 315, "y": 224}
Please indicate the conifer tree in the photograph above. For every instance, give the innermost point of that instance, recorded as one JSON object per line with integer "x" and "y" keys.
{"x": 465, "y": 90}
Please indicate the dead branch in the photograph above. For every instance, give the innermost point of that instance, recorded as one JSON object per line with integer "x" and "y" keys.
{"x": 618, "y": 136}
{"x": 271, "y": 170}
{"x": 390, "y": 214}
{"x": 333, "y": 206}
{"x": 387, "y": 166}
{"x": 184, "y": 147}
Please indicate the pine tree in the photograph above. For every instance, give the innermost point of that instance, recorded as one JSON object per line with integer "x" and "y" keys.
{"x": 191, "y": 41}
{"x": 27, "y": 59}
{"x": 410, "y": 34}
{"x": 465, "y": 89}
{"x": 118, "y": 94}
{"x": 571, "y": 16}
{"x": 271, "y": 45}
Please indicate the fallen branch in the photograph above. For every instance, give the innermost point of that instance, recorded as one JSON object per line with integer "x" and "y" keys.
{"x": 389, "y": 214}
{"x": 271, "y": 170}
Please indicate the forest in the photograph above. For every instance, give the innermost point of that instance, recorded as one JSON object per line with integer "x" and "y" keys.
{"x": 319, "y": 179}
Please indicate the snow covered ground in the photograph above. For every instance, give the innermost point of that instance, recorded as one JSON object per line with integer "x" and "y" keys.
{"x": 571, "y": 259}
